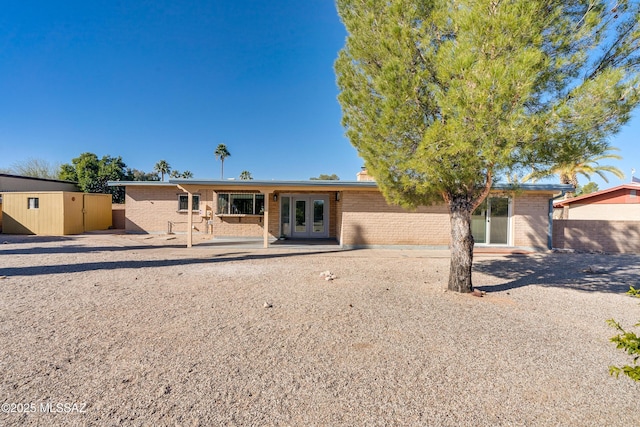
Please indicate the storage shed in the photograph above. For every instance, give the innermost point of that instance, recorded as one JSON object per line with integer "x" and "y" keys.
{"x": 55, "y": 213}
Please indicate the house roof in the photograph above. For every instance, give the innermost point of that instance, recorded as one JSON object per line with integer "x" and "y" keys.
{"x": 588, "y": 198}
{"x": 33, "y": 178}
{"x": 334, "y": 185}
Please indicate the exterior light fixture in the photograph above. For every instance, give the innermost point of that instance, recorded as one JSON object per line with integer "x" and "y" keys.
{"x": 275, "y": 197}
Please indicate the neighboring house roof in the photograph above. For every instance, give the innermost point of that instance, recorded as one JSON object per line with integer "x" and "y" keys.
{"x": 319, "y": 184}
{"x": 622, "y": 194}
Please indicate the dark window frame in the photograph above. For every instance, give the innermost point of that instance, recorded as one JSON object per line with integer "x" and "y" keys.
{"x": 35, "y": 204}
{"x": 183, "y": 200}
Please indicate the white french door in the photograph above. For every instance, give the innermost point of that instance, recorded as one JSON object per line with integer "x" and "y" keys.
{"x": 309, "y": 215}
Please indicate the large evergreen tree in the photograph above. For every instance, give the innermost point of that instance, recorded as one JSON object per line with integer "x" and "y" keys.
{"x": 440, "y": 97}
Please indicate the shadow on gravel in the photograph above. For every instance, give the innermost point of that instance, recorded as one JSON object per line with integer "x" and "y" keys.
{"x": 76, "y": 249}
{"x": 111, "y": 265}
{"x": 584, "y": 272}
{"x": 27, "y": 238}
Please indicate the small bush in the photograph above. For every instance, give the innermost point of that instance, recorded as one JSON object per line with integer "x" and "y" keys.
{"x": 629, "y": 342}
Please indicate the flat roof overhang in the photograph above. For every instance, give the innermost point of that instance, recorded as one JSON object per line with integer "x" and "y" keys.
{"x": 316, "y": 185}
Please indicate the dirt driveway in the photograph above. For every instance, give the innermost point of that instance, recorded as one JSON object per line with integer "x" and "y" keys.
{"x": 138, "y": 330}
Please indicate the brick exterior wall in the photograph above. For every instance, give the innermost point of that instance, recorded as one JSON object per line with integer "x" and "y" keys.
{"x": 150, "y": 209}
{"x": 597, "y": 235}
{"x": 367, "y": 219}
{"x": 238, "y": 226}
{"x": 530, "y": 225}
{"x": 118, "y": 216}
{"x": 274, "y": 215}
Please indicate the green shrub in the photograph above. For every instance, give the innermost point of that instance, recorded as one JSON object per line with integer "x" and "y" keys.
{"x": 629, "y": 342}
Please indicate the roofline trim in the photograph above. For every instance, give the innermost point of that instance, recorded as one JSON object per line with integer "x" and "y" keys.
{"x": 628, "y": 186}
{"x": 318, "y": 184}
{"x": 34, "y": 178}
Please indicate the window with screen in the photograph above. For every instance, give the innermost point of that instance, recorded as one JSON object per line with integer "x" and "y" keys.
{"x": 240, "y": 204}
{"x": 183, "y": 202}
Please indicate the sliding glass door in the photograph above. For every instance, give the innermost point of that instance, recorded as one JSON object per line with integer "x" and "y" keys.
{"x": 490, "y": 222}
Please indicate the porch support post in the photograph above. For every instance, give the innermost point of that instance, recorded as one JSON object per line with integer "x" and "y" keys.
{"x": 265, "y": 233}
{"x": 190, "y": 219}
{"x": 189, "y": 190}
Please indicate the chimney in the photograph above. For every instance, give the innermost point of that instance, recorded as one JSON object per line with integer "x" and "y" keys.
{"x": 363, "y": 175}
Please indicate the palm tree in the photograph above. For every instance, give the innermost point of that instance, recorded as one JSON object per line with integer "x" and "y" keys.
{"x": 221, "y": 154}
{"x": 245, "y": 175}
{"x": 585, "y": 164}
{"x": 162, "y": 167}
{"x": 187, "y": 174}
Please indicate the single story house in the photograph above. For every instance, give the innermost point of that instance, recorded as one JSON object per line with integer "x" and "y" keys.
{"x": 55, "y": 213}
{"x": 621, "y": 203}
{"x": 354, "y": 213}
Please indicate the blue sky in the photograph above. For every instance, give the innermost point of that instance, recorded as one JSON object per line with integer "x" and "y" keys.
{"x": 152, "y": 80}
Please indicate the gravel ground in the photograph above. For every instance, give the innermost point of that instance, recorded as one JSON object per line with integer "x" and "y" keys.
{"x": 138, "y": 330}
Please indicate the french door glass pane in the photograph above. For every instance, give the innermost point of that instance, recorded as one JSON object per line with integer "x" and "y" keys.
{"x": 284, "y": 215}
{"x": 301, "y": 216}
{"x": 318, "y": 216}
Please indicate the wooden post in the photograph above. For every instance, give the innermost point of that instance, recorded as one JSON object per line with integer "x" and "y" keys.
{"x": 189, "y": 219}
{"x": 267, "y": 202}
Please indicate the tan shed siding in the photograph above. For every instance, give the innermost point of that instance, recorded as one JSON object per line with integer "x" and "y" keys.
{"x": 367, "y": 219}
{"x": 97, "y": 212}
{"x": 530, "y": 220}
{"x": 150, "y": 209}
{"x": 47, "y": 220}
{"x": 73, "y": 213}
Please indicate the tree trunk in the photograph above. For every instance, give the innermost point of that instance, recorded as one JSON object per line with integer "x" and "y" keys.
{"x": 461, "y": 245}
